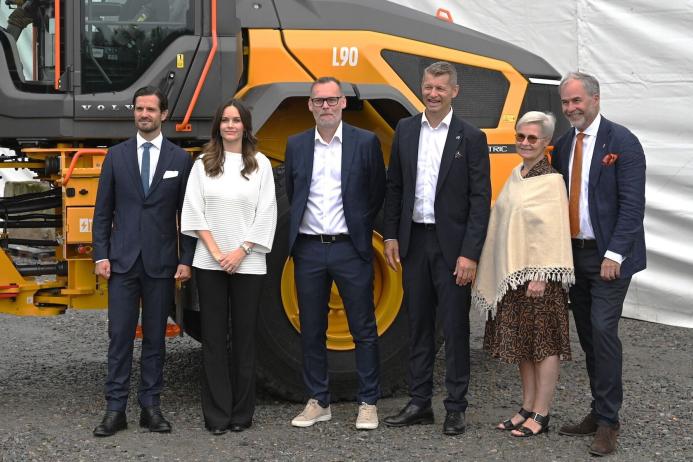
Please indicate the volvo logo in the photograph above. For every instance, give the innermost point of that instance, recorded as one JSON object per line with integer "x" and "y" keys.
{"x": 107, "y": 107}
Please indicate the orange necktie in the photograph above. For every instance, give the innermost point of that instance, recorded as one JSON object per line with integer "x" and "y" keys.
{"x": 575, "y": 186}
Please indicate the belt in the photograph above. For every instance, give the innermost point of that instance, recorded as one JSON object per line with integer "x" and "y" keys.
{"x": 326, "y": 238}
{"x": 426, "y": 226}
{"x": 584, "y": 243}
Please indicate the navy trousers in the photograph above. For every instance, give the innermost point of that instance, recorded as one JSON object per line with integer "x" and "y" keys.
{"x": 125, "y": 290}
{"x": 316, "y": 266}
{"x": 597, "y": 307}
{"x": 430, "y": 292}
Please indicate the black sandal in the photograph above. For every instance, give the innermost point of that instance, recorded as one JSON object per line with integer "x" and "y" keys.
{"x": 509, "y": 425}
{"x": 538, "y": 418}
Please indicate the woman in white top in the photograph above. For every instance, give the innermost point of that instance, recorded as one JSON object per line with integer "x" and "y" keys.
{"x": 230, "y": 206}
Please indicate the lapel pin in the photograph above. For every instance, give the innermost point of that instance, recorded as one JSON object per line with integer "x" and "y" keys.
{"x": 458, "y": 155}
{"x": 604, "y": 145}
{"x": 457, "y": 137}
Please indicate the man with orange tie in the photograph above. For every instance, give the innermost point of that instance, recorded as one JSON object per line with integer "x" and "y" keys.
{"x": 603, "y": 165}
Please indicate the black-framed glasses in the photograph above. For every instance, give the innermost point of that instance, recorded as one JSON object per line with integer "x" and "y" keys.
{"x": 331, "y": 101}
{"x": 531, "y": 139}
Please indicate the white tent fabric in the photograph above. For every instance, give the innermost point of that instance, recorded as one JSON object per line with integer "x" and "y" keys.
{"x": 641, "y": 53}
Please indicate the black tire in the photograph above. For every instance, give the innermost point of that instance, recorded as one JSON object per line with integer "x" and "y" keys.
{"x": 279, "y": 344}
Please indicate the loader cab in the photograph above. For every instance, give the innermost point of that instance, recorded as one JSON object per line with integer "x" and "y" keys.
{"x": 70, "y": 67}
{"x": 118, "y": 40}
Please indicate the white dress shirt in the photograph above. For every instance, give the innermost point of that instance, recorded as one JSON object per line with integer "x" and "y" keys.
{"x": 431, "y": 145}
{"x": 588, "y": 142}
{"x": 154, "y": 151}
{"x": 325, "y": 210}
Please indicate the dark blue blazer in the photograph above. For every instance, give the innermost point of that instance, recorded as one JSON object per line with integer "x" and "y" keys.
{"x": 127, "y": 224}
{"x": 463, "y": 192}
{"x": 363, "y": 182}
{"x": 616, "y": 193}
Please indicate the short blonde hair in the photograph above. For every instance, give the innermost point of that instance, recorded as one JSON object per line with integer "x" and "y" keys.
{"x": 441, "y": 68}
{"x": 545, "y": 120}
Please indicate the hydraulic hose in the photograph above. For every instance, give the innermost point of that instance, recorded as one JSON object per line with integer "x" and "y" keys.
{"x": 59, "y": 268}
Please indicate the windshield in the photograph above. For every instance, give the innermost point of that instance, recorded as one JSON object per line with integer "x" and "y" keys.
{"x": 28, "y": 39}
{"x": 121, "y": 38}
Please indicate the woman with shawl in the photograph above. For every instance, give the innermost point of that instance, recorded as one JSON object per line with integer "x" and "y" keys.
{"x": 524, "y": 272}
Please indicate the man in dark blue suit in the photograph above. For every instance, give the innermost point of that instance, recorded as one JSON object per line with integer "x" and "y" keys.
{"x": 139, "y": 250}
{"x": 437, "y": 209}
{"x": 335, "y": 182}
{"x": 603, "y": 165}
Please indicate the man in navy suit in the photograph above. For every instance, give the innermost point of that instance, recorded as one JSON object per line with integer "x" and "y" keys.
{"x": 437, "y": 209}
{"x": 335, "y": 182}
{"x": 139, "y": 250}
{"x": 603, "y": 165}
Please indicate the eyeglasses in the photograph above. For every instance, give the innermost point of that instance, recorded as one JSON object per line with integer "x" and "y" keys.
{"x": 331, "y": 101}
{"x": 531, "y": 139}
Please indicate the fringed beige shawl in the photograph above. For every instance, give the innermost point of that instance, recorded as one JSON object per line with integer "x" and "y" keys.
{"x": 528, "y": 239}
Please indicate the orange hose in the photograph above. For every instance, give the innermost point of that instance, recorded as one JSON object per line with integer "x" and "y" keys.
{"x": 185, "y": 125}
{"x": 78, "y": 153}
{"x": 56, "y": 45}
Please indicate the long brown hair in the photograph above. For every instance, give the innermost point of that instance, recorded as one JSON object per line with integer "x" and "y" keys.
{"x": 213, "y": 150}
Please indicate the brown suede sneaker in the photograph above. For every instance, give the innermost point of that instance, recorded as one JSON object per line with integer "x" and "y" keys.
{"x": 604, "y": 442}
{"x": 587, "y": 427}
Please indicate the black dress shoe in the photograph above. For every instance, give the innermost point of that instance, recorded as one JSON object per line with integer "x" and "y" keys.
{"x": 152, "y": 418}
{"x": 238, "y": 427}
{"x": 454, "y": 423}
{"x": 112, "y": 422}
{"x": 410, "y": 415}
{"x": 217, "y": 431}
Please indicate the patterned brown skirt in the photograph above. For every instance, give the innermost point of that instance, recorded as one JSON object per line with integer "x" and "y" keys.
{"x": 530, "y": 328}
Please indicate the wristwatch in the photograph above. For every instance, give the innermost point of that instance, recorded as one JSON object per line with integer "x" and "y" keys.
{"x": 246, "y": 248}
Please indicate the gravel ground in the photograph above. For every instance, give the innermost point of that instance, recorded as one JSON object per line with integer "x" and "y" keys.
{"x": 51, "y": 396}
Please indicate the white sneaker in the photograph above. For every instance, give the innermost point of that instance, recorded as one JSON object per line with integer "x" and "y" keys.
{"x": 368, "y": 417}
{"x": 312, "y": 413}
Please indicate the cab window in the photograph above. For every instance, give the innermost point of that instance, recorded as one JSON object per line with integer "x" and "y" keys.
{"x": 121, "y": 38}
{"x": 26, "y": 35}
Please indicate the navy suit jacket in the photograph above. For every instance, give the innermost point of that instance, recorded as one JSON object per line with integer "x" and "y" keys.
{"x": 363, "y": 182}
{"x": 127, "y": 224}
{"x": 616, "y": 193}
{"x": 463, "y": 192}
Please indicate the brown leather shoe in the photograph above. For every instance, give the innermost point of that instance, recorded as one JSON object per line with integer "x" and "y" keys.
{"x": 587, "y": 427}
{"x": 604, "y": 442}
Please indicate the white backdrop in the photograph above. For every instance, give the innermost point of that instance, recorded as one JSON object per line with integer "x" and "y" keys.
{"x": 642, "y": 53}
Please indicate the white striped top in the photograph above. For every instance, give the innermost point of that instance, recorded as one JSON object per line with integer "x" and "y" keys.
{"x": 233, "y": 209}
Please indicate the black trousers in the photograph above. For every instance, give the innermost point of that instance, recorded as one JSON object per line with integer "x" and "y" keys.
{"x": 597, "y": 306}
{"x": 316, "y": 265}
{"x": 125, "y": 290}
{"x": 430, "y": 292}
{"x": 229, "y": 305}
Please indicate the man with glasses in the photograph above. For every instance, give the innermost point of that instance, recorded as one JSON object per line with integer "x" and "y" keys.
{"x": 335, "y": 182}
{"x": 436, "y": 213}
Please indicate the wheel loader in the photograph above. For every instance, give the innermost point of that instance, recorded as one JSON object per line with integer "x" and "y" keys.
{"x": 68, "y": 70}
